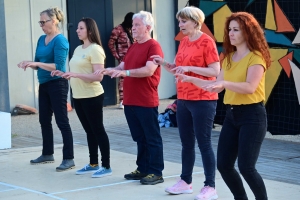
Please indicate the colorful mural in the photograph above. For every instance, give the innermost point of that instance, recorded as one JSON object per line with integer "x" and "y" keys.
{"x": 281, "y": 22}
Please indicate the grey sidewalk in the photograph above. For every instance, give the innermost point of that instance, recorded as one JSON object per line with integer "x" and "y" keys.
{"x": 278, "y": 164}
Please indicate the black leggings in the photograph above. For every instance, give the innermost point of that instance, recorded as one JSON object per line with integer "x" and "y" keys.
{"x": 90, "y": 114}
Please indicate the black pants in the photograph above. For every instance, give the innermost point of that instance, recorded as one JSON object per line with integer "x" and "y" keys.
{"x": 241, "y": 137}
{"x": 90, "y": 114}
{"x": 145, "y": 131}
{"x": 53, "y": 99}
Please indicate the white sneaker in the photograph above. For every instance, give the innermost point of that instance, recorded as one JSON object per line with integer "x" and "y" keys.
{"x": 121, "y": 105}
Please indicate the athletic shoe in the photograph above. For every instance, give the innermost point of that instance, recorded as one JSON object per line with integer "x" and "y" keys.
{"x": 87, "y": 169}
{"x": 65, "y": 165}
{"x": 43, "y": 159}
{"x": 135, "y": 175}
{"x": 207, "y": 193}
{"x": 181, "y": 187}
{"x": 101, "y": 172}
{"x": 151, "y": 179}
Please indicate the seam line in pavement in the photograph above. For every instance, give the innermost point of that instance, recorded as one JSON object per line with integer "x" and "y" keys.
{"x": 8, "y": 190}
{"x": 113, "y": 184}
{"x": 32, "y": 191}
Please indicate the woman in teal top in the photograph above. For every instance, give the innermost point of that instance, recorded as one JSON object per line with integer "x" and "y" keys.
{"x": 51, "y": 53}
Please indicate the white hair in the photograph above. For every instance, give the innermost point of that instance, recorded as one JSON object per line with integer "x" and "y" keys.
{"x": 146, "y": 17}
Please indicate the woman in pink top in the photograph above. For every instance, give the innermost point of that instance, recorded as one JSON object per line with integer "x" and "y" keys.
{"x": 197, "y": 56}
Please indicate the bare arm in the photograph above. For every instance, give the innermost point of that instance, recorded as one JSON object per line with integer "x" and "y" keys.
{"x": 145, "y": 71}
{"x": 35, "y": 65}
{"x": 157, "y": 60}
{"x": 254, "y": 75}
{"x": 212, "y": 70}
{"x": 86, "y": 77}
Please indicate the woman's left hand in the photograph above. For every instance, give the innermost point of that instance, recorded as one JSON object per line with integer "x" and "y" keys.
{"x": 57, "y": 73}
{"x": 24, "y": 64}
{"x": 32, "y": 65}
{"x": 214, "y": 87}
{"x": 181, "y": 69}
{"x": 69, "y": 75}
{"x": 182, "y": 78}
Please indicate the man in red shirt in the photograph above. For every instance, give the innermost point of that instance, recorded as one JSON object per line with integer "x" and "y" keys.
{"x": 141, "y": 101}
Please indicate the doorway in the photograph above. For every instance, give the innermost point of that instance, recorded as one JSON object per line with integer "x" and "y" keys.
{"x": 107, "y": 14}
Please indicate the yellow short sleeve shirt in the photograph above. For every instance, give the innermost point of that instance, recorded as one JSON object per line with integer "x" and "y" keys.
{"x": 238, "y": 73}
{"x": 82, "y": 62}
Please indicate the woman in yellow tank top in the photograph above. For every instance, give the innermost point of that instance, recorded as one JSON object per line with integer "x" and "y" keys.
{"x": 243, "y": 77}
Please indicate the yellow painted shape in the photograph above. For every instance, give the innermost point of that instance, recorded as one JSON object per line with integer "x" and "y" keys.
{"x": 270, "y": 17}
{"x": 274, "y": 71}
{"x": 219, "y": 19}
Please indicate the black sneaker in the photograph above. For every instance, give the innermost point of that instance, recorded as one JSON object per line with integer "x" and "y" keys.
{"x": 43, "y": 159}
{"x": 66, "y": 165}
{"x": 135, "y": 175}
{"x": 151, "y": 179}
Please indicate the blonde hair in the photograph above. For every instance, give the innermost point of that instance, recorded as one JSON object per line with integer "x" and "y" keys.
{"x": 192, "y": 13}
{"x": 146, "y": 17}
{"x": 54, "y": 13}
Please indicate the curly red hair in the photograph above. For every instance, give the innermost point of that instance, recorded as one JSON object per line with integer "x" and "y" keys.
{"x": 253, "y": 34}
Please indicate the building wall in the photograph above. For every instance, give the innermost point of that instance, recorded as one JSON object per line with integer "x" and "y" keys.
{"x": 4, "y": 87}
{"x": 164, "y": 33}
{"x": 22, "y": 33}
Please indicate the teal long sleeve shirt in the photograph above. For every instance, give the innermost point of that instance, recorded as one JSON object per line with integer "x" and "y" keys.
{"x": 56, "y": 51}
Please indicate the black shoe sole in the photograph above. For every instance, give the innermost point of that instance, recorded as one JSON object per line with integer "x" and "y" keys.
{"x": 62, "y": 170}
{"x": 128, "y": 178}
{"x": 153, "y": 182}
{"x": 44, "y": 162}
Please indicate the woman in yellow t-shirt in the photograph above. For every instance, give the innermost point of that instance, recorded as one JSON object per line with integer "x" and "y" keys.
{"x": 243, "y": 77}
{"x": 88, "y": 95}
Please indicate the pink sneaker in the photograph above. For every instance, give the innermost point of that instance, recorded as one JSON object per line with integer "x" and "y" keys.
{"x": 181, "y": 187}
{"x": 207, "y": 193}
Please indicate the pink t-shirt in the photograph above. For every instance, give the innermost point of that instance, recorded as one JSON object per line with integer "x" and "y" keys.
{"x": 198, "y": 53}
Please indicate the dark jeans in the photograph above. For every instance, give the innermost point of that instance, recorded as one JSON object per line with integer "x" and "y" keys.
{"x": 195, "y": 120}
{"x": 53, "y": 99}
{"x": 145, "y": 131}
{"x": 90, "y": 114}
{"x": 241, "y": 137}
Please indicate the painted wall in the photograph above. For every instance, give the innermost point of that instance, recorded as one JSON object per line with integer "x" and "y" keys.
{"x": 22, "y": 33}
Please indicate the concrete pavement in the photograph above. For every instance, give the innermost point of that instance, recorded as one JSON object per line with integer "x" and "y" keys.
{"x": 20, "y": 180}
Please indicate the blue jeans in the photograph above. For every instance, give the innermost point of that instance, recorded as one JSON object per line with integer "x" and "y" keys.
{"x": 241, "y": 137}
{"x": 195, "y": 120}
{"x": 90, "y": 114}
{"x": 53, "y": 99}
{"x": 145, "y": 131}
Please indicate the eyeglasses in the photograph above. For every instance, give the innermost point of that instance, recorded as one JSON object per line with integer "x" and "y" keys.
{"x": 42, "y": 23}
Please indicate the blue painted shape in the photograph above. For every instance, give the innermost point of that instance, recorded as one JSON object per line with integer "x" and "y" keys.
{"x": 249, "y": 3}
{"x": 209, "y": 7}
{"x": 220, "y": 49}
{"x": 278, "y": 38}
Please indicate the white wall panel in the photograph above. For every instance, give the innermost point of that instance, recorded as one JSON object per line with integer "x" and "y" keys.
{"x": 164, "y": 33}
{"x": 23, "y": 31}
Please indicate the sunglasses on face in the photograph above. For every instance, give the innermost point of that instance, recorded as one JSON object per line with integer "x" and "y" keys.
{"x": 42, "y": 23}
